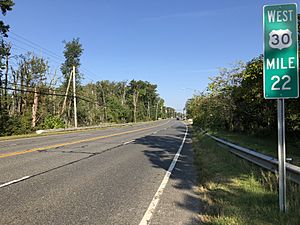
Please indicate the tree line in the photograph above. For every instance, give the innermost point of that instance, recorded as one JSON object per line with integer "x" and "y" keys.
{"x": 32, "y": 97}
{"x": 233, "y": 101}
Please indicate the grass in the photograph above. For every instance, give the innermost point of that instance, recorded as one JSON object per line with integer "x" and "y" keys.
{"x": 31, "y": 135}
{"x": 264, "y": 144}
{"x": 233, "y": 191}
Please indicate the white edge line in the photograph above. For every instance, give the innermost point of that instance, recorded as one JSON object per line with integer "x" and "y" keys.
{"x": 149, "y": 213}
{"x": 128, "y": 142}
{"x": 14, "y": 181}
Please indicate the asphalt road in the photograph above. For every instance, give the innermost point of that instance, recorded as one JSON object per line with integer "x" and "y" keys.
{"x": 98, "y": 177}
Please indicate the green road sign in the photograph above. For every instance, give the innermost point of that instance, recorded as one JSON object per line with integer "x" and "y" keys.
{"x": 281, "y": 78}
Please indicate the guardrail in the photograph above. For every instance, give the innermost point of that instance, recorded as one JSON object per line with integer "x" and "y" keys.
{"x": 265, "y": 161}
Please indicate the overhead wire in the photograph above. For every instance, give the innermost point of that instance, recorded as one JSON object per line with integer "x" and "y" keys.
{"x": 36, "y": 46}
{"x": 41, "y": 47}
{"x": 55, "y": 86}
{"x": 50, "y": 54}
{"x": 52, "y": 61}
{"x": 52, "y": 94}
{"x": 88, "y": 74}
{"x": 44, "y": 83}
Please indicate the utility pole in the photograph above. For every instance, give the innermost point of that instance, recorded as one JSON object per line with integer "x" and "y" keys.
{"x": 7, "y": 53}
{"x": 67, "y": 91}
{"x": 74, "y": 95}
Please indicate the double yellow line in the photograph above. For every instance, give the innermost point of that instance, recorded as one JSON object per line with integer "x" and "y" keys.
{"x": 4, "y": 155}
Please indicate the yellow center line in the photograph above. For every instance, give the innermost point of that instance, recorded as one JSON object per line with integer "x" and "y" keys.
{"x": 59, "y": 133}
{"x": 4, "y": 155}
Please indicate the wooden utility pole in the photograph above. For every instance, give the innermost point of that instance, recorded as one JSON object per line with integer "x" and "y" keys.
{"x": 67, "y": 91}
{"x": 135, "y": 97}
{"x": 35, "y": 107}
{"x": 22, "y": 80}
{"x": 7, "y": 53}
{"x": 52, "y": 91}
{"x": 74, "y": 95}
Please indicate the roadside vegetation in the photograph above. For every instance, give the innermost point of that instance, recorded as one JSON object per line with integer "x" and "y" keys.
{"x": 34, "y": 94}
{"x": 233, "y": 191}
{"x": 232, "y": 107}
{"x": 234, "y": 102}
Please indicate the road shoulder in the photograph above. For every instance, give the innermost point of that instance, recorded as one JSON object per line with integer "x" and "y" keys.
{"x": 180, "y": 203}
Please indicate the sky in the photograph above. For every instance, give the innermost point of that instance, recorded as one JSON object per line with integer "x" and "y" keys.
{"x": 176, "y": 44}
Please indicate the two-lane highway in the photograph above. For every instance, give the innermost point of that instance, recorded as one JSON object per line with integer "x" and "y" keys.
{"x": 95, "y": 177}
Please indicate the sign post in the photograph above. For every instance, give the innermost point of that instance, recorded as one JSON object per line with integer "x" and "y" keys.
{"x": 281, "y": 155}
{"x": 281, "y": 78}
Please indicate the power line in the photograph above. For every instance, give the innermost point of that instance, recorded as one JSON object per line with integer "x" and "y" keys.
{"x": 54, "y": 56}
{"x": 47, "y": 93}
{"x": 87, "y": 72}
{"x": 37, "y": 49}
{"x": 15, "y": 46}
{"x": 34, "y": 45}
{"x": 44, "y": 83}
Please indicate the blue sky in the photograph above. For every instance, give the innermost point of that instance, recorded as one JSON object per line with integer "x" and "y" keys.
{"x": 176, "y": 44}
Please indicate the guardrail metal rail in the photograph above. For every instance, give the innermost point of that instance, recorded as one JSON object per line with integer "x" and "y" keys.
{"x": 265, "y": 161}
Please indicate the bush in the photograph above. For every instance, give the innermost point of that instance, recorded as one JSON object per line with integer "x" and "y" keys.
{"x": 53, "y": 122}
{"x": 14, "y": 125}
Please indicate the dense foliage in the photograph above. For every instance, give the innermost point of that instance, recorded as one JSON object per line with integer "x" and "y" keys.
{"x": 234, "y": 101}
{"x": 33, "y": 98}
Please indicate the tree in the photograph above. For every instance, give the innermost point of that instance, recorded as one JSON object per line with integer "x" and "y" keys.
{"x": 235, "y": 102}
{"x": 136, "y": 89}
{"x": 149, "y": 99}
{"x": 38, "y": 70}
{"x": 72, "y": 53}
{"x": 222, "y": 89}
{"x": 5, "y": 5}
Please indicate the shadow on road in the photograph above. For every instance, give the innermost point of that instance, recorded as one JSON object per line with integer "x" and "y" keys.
{"x": 161, "y": 151}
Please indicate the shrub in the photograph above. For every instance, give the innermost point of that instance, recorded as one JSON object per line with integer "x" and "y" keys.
{"x": 53, "y": 122}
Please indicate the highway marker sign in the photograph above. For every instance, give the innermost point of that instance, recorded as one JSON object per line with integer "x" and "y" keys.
{"x": 281, "y": 78}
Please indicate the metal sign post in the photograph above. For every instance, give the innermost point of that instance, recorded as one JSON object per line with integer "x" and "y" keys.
{"x": 281, "y": 155}
{"x": 281, "y": 76}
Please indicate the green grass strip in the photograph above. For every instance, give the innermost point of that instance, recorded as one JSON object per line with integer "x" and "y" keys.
{"x": 233, "y": 191}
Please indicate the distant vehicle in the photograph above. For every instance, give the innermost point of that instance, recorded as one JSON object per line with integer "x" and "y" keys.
{"x": 177, "y": 118}
{"x": 190, "y": 121}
